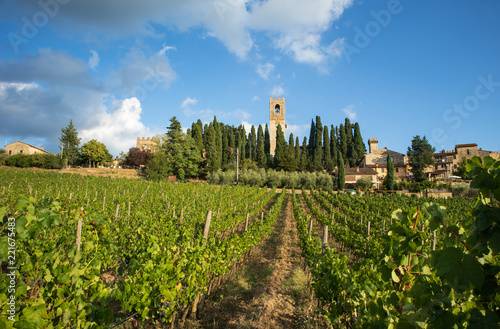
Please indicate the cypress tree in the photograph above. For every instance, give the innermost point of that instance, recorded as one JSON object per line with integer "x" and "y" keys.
{"x": 359, "y": 145}
{"x": 312, "y": 141}
{"x": 280, "y": 148}
{"x": 303, "y": 156}
{"x": 297, "y": 152}
{"x": 341, "y": 174}
{"x": 213, "y": 154}
{"x": 328, "y": 156}
{"x": 70, "y": 141}
{"x": 267, "y": 141}
{"x": 318, "y": 147}
{"x": 197, "y": 134}
{"x": 252, "y": 143}
{"x": 342, "y": 142}
{"x": 225, "y": 146}
{"x": 390, "y": 179}
{"x": 260, "y": 156}
{"x": 231, "y": 158}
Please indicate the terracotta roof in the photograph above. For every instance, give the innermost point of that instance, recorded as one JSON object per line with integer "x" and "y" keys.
{"x": 362, "y": 171}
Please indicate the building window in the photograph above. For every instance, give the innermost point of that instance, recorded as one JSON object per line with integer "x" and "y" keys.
{"x": 455, "y": 157}
{"x": 397, "y": 169}
{"x": 21, "y": 151}
{"x": 10, "y": 152}
{"x": 468, "y": 152}
{"x": 382, "y": 170}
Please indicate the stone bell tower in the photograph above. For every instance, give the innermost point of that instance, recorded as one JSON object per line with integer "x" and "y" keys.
{"x": 276, "y": 117}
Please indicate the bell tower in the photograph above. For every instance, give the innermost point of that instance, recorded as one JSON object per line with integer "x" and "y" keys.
{"x": 276, "y": 117}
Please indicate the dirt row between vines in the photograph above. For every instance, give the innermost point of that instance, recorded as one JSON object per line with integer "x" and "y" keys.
{"x": 270, "y": 290}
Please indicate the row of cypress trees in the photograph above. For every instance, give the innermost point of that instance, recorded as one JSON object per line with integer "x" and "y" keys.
{"x": 325, "y": 149}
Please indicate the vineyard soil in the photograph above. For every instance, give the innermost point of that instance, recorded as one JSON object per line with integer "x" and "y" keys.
{"x": 269, "y": 290}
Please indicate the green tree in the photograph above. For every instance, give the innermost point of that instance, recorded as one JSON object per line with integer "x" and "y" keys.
{"x": 267, "y": 141}
{"x": 390, "y": 179}
{"x": 341, "y": 174}
{"x": 359, "y": 145}
{"x": 182, "y": 155}
{"x": 252, "y": 144}
{"x": 312, "y": 143}
{"x": 260, "y": 155}
{"x": 157, "y": 167}
{"x": 328, "y": 155}
{"x": 197, "y": 134}
{"x": 461, "y": 169}
{"x": 421, "y": 156}
{"x": 281, "y": 149}
{"x": 303, "y": 156}
{"x": 94, "y": 151}
{"x": 213, "y": 159}
{"x": 70, "y": 143}
{"x": 318, "y": 145}
{"x": 297, "y": 153}
{"x": 342, "y": 142}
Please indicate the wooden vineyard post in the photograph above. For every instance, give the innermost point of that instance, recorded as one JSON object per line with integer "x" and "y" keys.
{"x": 117, "y": 210}
{"x": 368, "y": 231}
{"x": 173, "y": 213}
{"x": 234, "y": 210}
{"x": 181, "y": 216}
{"x": 325, "y": 238}
{"x": 246, "y": 222}
{"x": 36, "y": 193}
{"x": 87, "y": 203}
{"x": 79, "y": 234}
{"x": 262, "y": 217}
{"x": 433, "y": 241}
{"x": 207, "y": 225}
{"x": 103, "y": 202}
{"x": 310, "y": 226}
{"x": 128, "y": 213}
{"x": 383, "y": 225}
{"x": 361, "y": 219}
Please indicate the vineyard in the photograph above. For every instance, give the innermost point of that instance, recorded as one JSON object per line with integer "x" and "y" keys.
{"x": 92, "y": 252}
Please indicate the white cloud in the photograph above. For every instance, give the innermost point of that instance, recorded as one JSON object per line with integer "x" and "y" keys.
{"x": 295, "y": 26}
{"x": 349, "y": 111}
{"x": 188, "y": 102}
{"x": 119, "y": 128}
{"x": 277, "y": 91}
{"x": 264, "y": 70}
{"x": 237, "y": 114}
{"x": 140, "y": 74}
{"x": 94, "y": 59}
{"x": 255, "y": 98}
{"x": 298, "y": 130}
{"x": 165, "y": 49}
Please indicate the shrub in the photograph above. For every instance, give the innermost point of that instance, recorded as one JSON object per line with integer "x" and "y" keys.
{"x": 364, "y": 183}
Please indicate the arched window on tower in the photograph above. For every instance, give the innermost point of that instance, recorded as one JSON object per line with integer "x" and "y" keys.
{"x": 277, "y": 109}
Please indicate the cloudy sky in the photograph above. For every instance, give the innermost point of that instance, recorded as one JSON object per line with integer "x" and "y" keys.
{"x": 121, "y": 69}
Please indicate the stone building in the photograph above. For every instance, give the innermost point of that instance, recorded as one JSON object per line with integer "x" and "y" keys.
{"x": 24, "y": 148}
{"x": 447, "y": 161}
{"x": 377, "y": 160}
{"x": 148, "y": 144}
{"x": 353, "y": 174}
{"x": 276, "y": 117}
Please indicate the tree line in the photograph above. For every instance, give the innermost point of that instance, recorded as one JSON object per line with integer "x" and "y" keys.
{"x": 207, "y": 148}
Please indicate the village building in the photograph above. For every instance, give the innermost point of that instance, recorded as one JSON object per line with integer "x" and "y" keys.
{"x": 276, "y": 117}
{"x": 376, "y": 160}
{"x": 151, "y": 144}
{"x": 448, "y": 161}
{"x": 352, "y": 174}
{"x": 23, "y": 148}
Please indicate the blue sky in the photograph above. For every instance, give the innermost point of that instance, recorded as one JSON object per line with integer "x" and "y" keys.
{"x": 122, "y": 69}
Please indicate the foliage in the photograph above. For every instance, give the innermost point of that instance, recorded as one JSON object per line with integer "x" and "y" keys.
{"x": 70, "y": 143}
{"x": 390, "y": 180}
{"x": 137, "y": 157}
{"x": 157, "y": 167}
{"x": 421, "y": 156}
{"x": 364, "y": 183}
{"x": 340, "y": 173}
{"x": 461, "y": 169}
{"x": 464, "y": 190}
{"x": 182, "y": 156}
{"x": 94, "y": 151}
{"x": 45, "y": 161}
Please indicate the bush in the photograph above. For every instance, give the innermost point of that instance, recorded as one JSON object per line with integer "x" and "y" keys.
{"x": 45, "y": 161}
{"x": 464, "y": 190}
{"x": 364, "y": 183}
